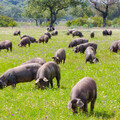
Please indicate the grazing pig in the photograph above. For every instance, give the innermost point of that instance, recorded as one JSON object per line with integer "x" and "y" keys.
{"x": 59, "y": 56}
{"x": 90, "y": 55}
{"x": 82, "y": 47}
{"x": 92, "y": 34}
{"x": 35, "y": 60}
{"x": 32, "y": 39}
{"x": 24, "y": 42}
{"x": 82, "y": 93}
{"x": 43, "y": 39}
{"x": 110, "y": 32}
{"x": 115, "y": 46}
{"x": 6, "y": 44}
{"x": 77, "y": 41}
{"x": 48, "y": 34}
{"x": 70, "y": 31}
{"x": 46, "y": 73}
{"x": 105, "y": 32}
{"x": 54, "y": 33}
{"x": 16, "y": 33}
{"x": 50, "y": 29}
{"x": 77, "y": 33}
{"x": 23, "y": 73}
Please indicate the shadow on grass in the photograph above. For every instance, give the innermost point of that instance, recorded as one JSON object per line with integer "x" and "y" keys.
{"x": 56, "y": 88}
{"x": 62, "y": 87}
{"x": 49, "y": 88}
{"x": 104, "y": 114}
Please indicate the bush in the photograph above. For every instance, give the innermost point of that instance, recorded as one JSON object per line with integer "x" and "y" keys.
{"x": 68, "y": 23}
{"x": 73, "y": 26}
{"x": 97, "y": 21}
{"x": 115, "y": 25}
{"x": 7, "y": 22}
{"x": 116, "y": 22}
{"x": 88, "y": 22}
{"x": 85, "y": 26}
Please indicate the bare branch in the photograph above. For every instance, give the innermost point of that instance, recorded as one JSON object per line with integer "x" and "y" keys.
{"x": 111, "y": 2}
{"x": 104, "y": 2}
{"x": 60, "y": 9}
{"x": 95, "y": 6}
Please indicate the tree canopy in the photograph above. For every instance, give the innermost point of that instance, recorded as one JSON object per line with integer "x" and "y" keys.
{"x": 53, "y": 7}
{"x": 103, "y": 6}
{"x": 80, "y": 11}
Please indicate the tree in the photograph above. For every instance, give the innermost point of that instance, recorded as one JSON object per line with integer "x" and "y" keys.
{"x": 114, "y": 11}
{"x": 1, "y": 9}
{"x": 102, "y": 6}
{"x": 34, "y": 13}
{"x": 6, "y": 21}
{"x": 37, "y": 14}
{"x": 53, "y": 6}
{"x": 80, "y": 11}
{"x": 13, "y": 12}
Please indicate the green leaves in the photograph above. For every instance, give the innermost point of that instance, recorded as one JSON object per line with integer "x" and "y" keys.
{"x": 7, "y": 22}
{"x": 55, "y": 5}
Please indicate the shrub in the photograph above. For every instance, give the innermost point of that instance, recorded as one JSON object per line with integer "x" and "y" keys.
{"x": 115, "y": 25}
{"x": 97, "y": 21}
{"x": 7, "y": 22}
{"x": 116, "y": 22}
{"x": 68, "y": 23}
{"x": 88, "y": 22}
{"x": 73, "y": 26}
{"x": 85, "y": 26}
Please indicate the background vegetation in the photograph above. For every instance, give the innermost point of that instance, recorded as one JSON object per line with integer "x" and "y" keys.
{"x": 86, "y": 21}
{"x": 26, "y": 102}
{"x": 7, "y": 22}
{"x": 24, "y": 11}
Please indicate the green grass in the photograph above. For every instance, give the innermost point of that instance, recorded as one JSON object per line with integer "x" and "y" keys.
{"x": 25, "y": 102}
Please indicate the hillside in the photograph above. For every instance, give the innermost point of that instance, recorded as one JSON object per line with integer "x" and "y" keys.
{"x": 12, "y": 2}
{"x": 12, "y": 8}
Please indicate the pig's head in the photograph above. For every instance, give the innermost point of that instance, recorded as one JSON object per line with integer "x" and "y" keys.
{"x": 56, "y": 59}
{"x": 81, "y": 49}
{"x": 19, "y": 45}
{"x": 81, "y": 35}
{"x": 76, "y": 49}
{"x": 2, "y": 85}
{"x": 34, "y": 40}
{"x": 74, "y": 104}
{"x": 95, "y": 60}
{"x": 42, "y": 82}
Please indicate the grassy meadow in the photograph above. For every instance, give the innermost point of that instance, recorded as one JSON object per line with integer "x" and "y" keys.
{"x": 27, "y": 103}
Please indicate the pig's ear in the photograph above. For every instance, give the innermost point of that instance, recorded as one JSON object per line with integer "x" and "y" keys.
{"x": 80, "y": 103}
{"x": 53, "y": 57}
{"x": 57, "y": 58}
{"x": 36, "y": 81}
{"x": 69, "y": 106}
{"x": 45, "y": 79}
{"x": 97, "y": 59}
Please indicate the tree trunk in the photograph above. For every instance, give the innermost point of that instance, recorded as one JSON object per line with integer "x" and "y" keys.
{"x": 51, "y": 20}
{"x": 41, "y": 21}
{"x": 36, "y": 22}
{"x": 104, "y": 21}
{"x": 51, "y": 26}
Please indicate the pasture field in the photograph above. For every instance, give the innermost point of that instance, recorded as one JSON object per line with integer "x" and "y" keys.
{"x": 27, "y": 103}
